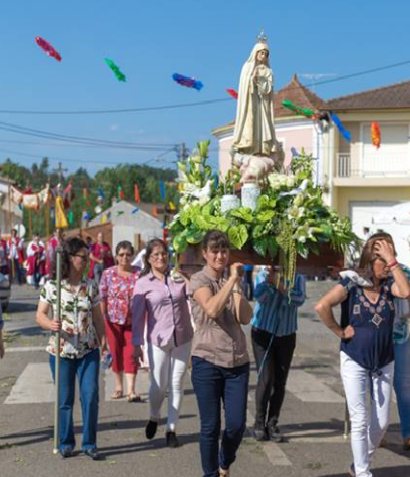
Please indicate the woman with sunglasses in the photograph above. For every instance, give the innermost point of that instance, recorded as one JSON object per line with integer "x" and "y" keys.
{"x": 82, "y": 333}
{"x": 161, "y": 303}
{"x": 116, "y": 290}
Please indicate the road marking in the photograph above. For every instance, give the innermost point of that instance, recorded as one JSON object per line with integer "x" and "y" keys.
{"x": 34, "y": 385}
{"x": 24, "y": 349}
{"x": 316, "y": 436}
{"x": 308, "y": 388}
{"x": 273, "y": 452}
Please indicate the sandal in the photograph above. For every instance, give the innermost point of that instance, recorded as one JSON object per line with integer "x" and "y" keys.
{"x": 117, "y": 395}
{"x": 134, "y": 398}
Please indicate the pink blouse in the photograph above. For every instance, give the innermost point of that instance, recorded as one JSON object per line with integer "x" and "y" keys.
{"x": 116, "y": 292}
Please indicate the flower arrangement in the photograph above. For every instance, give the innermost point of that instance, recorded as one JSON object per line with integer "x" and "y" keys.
{"x": 290, "y": 219}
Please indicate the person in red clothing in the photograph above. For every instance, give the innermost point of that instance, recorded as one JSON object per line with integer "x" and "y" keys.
{"x": 116, "y": 291}
{"x": 4, "y": 262}
{"x": 36, "y": 260}
{"x": 100, "y": 258}
{"x": 15, "y": 248}
{"x": 51, "y": 247}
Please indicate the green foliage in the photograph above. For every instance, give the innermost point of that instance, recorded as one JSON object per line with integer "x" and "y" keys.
{"x": 127, "y": 175}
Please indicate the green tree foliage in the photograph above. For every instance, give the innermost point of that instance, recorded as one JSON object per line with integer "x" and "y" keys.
{"x": 108, "y": 179}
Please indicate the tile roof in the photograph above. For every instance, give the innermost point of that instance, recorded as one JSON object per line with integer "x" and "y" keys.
{"x": 392, "y": 96}
{"x": 295, "y": 92}
{"x": 299, "y": 95}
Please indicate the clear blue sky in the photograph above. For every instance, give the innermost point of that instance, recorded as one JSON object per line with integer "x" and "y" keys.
{"x": 150, "y": 40}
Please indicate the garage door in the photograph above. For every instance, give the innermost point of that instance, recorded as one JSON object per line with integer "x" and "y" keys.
{"x": 361, "y": 214}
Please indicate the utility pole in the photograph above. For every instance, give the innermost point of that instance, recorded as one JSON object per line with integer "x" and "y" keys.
{"x": 60, "y": 171}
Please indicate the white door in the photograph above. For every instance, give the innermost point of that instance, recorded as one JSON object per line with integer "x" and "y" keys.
{"x": 361, "y": 214}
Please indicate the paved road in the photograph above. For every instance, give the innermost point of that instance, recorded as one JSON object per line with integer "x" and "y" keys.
{"x": 312, "y": 417}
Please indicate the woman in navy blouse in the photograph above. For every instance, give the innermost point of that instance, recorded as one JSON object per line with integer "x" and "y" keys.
{"x": 366, "y": 352}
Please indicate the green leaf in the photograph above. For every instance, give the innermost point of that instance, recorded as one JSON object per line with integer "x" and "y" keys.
{"x": 238, "y": 236}
{"x": 273, "y": 247}
{"x": 260, "y": 246}
{"x": 265, "y": 202}
{"x": 326, "y": 229}
{"x": 219, "y": 223}
{"x": 265, "y": 215}
{"x": 243, "y": 213}
{"x": 180, "y": 243}
{"x": 201, "y": 222}
{"x": 194, "y": 235}
{"x": 257, "y": 231}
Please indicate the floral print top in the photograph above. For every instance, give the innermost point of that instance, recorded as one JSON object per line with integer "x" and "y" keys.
{"x": 116, "y": 292}
{"x": 78, "y": 334}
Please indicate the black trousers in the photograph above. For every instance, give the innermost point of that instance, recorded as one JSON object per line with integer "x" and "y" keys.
{"x": 270, "y": 388}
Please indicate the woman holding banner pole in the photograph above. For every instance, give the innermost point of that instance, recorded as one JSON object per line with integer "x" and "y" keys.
{"x": 81, "y": 329}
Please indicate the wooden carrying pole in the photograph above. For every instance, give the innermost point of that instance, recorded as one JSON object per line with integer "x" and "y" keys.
{"x": 57, "y": 357}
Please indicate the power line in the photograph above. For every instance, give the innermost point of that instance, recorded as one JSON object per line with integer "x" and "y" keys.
{"x": 85, "y": 161}
{"x": 197, "y": 103}
{"x": 17, "y": 129}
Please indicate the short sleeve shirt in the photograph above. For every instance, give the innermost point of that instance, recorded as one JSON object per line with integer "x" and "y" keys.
{"x": 372, "y": 344}
{"x": 78, "y": 335}
{"x": 220, "y": 341}
{"x": 116, "y": 292}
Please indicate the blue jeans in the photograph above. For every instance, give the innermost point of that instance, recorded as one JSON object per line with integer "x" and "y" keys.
{"x": 402, "y": 385}
{"x": 86, "y": 369}
{"x": 213, "y": 385}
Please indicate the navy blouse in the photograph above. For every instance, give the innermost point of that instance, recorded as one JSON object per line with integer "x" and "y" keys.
{"x": 372, "y": 345}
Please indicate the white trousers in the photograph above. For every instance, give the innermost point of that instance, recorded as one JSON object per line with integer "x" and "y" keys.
{"x": 366, "y": 431}
{"x": 168, "y": 366}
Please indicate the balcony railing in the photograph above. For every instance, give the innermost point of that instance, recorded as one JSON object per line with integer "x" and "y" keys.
{"x": 373, "y": 166}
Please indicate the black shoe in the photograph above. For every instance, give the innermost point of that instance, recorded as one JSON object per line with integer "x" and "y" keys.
{"x": 172, "y": 440}
{"x": 274, "y": 433}
{"x": 92, "y": 453}
{"x": 66, "y": 453}
{"x": 260, "y": 433}
{"x": 151, "y": 429}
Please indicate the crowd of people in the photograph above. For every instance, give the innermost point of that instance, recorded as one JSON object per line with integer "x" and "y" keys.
{"x": 32, "y": 264}
{"x": 123, "y": 311}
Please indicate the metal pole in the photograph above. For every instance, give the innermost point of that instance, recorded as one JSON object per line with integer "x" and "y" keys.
{"x": 57, "y": 357}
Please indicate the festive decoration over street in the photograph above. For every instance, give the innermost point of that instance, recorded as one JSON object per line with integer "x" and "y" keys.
{"x": 346, "y": 134}
{"x": 135, "y": 210}
{"x": 297, "y": 109}
{"x": 232, "y": 93}
{"x": 120, "y": 193}
{"x": 187, "y": 81}
{"x": 116, "y": 70}
{"x": 137, "y": 197}
{"x": 30, "y": 200}
{"x": 46, "y": 46}
{"x": 162, "y": 189}
{"x": 376, "y": 134}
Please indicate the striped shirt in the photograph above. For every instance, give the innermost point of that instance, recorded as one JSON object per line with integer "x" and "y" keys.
{"x": 274, "y": 312}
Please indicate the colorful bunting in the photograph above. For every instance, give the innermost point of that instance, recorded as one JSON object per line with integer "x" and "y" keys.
{"x": 376, "y": 134}
{"x": 71, "y": 218}
{"x": 346, "y": 134}
{"x": 120, "y": 193}
{"x": 120, "y": 212}
{"x": 116, "y": 70}
{"x": 187, "y": 81}
{"x": 101, "y": 193}
{"x": 297, "y": 109}
{"x": 172, "y": 206}
{"x": 137, "y": 197}
{"x": 162, "y": 189}
{"x": 233, "y": 93}
{"x": 154, "y": 211}
{"x": 135, "y": 210}
{"x": 46, "y": 46}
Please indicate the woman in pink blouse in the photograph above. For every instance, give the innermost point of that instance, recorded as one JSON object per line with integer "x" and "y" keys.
{"x": 116, "y": 290}
{"x": 160, "y": 303}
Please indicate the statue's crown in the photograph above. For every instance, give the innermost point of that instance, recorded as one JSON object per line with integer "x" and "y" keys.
{"x": 262, "y": 38}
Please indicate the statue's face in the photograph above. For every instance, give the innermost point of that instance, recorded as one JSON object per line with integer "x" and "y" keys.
{"x": 262, "y": 56}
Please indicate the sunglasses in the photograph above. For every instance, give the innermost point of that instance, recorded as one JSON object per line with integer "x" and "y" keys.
{"x": 83, "y": 257}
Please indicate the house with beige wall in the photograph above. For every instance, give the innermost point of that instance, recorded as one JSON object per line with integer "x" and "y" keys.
{"x": 358, "y": 179}
{"x": 362, "y": 180}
